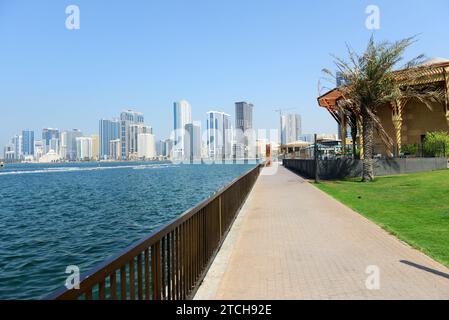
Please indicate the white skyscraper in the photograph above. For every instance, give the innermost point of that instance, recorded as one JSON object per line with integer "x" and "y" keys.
{"x": 291, "y": 128}
{"x": 182, "y": 113}
{"x": 84, "y": 148}
{"x": 38, "y": 147}
{"x": 146, "y": 146}
{"x": 128, "y": 118}
{"x": 68, "y": 144}
{"x": 115, "y": 150}
{"x": 219, "y": 135}
{"x": 16, "y": 141}
{"x": 134, "y": 131}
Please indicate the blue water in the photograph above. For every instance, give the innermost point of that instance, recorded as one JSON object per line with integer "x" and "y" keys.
{"x": 53, "y": 216}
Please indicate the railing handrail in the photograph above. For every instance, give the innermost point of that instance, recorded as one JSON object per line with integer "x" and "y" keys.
{"x": 105, "y": 268}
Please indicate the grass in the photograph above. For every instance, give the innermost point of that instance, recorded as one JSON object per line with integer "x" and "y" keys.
{"x": 415, "y": 207}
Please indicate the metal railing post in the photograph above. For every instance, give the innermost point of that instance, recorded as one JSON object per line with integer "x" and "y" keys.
{"x": 315, "y": 155}
{"x": 219, "y": 217}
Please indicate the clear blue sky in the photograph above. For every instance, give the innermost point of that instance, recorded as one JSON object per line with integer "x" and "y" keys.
{"x": 147, "y": 54}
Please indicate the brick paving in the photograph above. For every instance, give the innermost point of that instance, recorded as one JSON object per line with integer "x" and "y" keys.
{"x": 292, "y": 241}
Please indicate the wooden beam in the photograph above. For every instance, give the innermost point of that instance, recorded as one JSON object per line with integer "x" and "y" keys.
{"x": 343, "y": 131}
{"x": 397, "y": 123}
{"x": 446, "y": 85}
{"x": 360, "y": 125}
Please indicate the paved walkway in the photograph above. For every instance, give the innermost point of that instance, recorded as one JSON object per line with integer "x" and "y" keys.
{"x": 292, "y": 241}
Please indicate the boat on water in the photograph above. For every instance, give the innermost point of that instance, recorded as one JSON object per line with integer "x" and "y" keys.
{"x": 2, "y": 165}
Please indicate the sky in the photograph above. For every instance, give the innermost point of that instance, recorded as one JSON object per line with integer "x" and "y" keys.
{"x": 145, "y": 55}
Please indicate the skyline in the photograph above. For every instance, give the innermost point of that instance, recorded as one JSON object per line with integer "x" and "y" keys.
{"x": 136, "y": 140}
{"x": 143, "y": 56}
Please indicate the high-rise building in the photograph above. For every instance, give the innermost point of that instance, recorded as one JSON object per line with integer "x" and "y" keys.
{"x": 243, "y": 127}
{"x": 51, "y": 139}
{"x": 146, "y": 146}
{"x": 9, "y": 154}
{"x": 109, "y": 130}
{"x": 160, "y": 148}
{"x": 68, "y": 149}
{"x": 182, "y": 114}
{"x": 134, "y": 131}
{"x": 95, "y": 146}
{"x": 291, "y": 128}
{"x": 243, "y": 116}
{"x": 28, "y": 142}
{"x": 16, "y": 142}
{"x": 168, "y": 150}
{"x": 84, "y": 149}
{"x": 115, "y": 150}
{"x": 128, "y": 143}
{"x": 64, "y": 146}
{"x": 192, "y": 142}
{"x": 38, "y": 149}
{"x": 219, "y": 135}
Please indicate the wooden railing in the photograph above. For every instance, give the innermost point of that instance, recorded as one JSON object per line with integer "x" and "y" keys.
{"x": 170, "y": 263}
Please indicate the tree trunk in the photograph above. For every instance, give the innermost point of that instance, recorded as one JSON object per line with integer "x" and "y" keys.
{"x": 368, "y": 145}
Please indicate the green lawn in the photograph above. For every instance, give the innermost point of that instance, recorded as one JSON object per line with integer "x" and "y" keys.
{"x": 414, "y": 207}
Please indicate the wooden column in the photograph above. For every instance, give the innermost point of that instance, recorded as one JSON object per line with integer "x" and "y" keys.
{"x": 446, "y": 106}
{"x": 343, "y": 131}
{"x": 397, "y": 123}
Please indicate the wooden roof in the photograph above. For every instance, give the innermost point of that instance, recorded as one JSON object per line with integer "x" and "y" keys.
{"x": 428, "y": 74}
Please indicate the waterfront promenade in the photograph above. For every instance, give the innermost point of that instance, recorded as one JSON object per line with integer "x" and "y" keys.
{"x": 292, "y": 241}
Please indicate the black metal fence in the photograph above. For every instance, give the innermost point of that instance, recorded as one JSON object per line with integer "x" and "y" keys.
{"x": 170, "y": 263}
{"x": 340, "y": 168}
{"x": 380, "y": 151}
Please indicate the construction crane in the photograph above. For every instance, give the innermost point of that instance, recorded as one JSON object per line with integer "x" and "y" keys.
{"x": 281, "y": 112}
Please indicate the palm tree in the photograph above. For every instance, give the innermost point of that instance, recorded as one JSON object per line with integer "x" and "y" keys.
{"x": 373, "y": 80}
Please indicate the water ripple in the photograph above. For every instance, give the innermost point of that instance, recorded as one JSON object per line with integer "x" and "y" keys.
{"x": 52, "y": 216}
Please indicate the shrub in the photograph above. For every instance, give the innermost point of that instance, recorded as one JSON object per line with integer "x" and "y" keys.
{"x": 437, "y": 143}
{"x": 410, "y": 149}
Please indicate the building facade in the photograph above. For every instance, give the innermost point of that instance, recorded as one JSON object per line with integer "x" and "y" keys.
{"x": 146, "y": 146}
{"x": 9, "y": 154}
{"x": 115, "y": 150}
{"x": 95, "y": 147}
{"x": 128, "y": 118}
{"x": 109, "y": 130}
{"x": 182, "y": 116}
{"x": 243, "y": 129}
{"x": 84, "y": 150}
{"x": 168, "y": 150}
{"x": 28, "y": 142}
{"x": 38, "y": 149}
{"x": 192, "y": 142}
{"x": 243, "y": 116}
{"x": 219, "y": 135}
{"x": 17, "y": 144}
{"x": 68, "y": 149}
{"x": 291, "y": 128}
{"x": 134, "y": 131}
{"x": 51, "y": 140}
